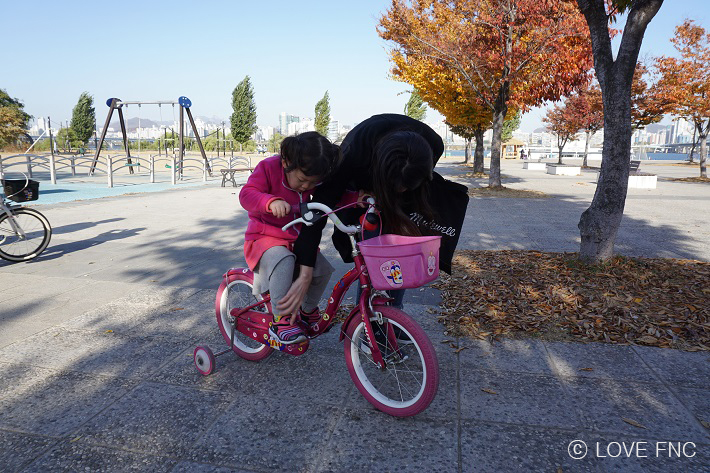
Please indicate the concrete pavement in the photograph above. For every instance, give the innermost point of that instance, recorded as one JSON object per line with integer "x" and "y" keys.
{"x": 97, "y": 334}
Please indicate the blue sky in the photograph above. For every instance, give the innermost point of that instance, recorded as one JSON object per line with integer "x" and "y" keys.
{"x": 292, "y": 51}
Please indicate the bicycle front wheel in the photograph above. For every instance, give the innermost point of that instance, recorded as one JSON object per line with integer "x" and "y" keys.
{"x": 410, "y": 379}
{"x": 15, "y": 247}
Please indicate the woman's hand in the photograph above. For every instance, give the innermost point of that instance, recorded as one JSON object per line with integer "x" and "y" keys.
{"x": 293, "y": 299}
{"x": 280, "y": 208}
{"x": 362, "y": 198}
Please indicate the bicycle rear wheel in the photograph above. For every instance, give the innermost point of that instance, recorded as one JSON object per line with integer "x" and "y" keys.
{"x": 38, "y": 232}
{"x": 410, "y": 379}
{"x": 235, "y": 293}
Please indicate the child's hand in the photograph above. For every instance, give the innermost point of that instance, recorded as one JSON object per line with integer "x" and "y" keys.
{"x": 280, "y": 208}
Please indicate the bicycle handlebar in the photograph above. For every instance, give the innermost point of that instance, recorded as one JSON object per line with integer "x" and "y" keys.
{"x": 309, "y": 218}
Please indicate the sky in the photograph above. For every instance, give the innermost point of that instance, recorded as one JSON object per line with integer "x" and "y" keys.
{"x": 293, "y": 52}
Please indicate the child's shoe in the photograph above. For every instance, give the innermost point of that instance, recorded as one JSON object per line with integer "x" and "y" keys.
{"x": 309, "y": 318}
{"x": 285, "y": 333}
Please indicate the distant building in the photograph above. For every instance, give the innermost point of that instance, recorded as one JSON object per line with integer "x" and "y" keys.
{"x": 285, "y": 120}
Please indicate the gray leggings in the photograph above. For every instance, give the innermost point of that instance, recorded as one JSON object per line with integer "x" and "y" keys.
{"x": 275, "y": 273}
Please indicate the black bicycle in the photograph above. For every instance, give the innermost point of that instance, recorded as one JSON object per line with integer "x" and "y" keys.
{"x": 24, "y": 233}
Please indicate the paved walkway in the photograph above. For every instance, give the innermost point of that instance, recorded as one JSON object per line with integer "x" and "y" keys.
{"x": 96, "y": 340}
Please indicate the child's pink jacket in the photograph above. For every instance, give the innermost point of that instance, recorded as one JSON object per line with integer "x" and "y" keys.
{"x": 266, "y": 184}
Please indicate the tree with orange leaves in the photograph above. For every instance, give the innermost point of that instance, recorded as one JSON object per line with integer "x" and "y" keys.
{"x": 563, "y": 124}
{"x": 685, "y": 81}
{"x": 444, "y": 92}
{"x": 585, "y": 106}
{"x": 504, "y": 53}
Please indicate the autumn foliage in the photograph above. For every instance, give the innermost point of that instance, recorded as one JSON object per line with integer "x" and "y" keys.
{"x": 489, "y": 54}
{"x": 685, "y": 81}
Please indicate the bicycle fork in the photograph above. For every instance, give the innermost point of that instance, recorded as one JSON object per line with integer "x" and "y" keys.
{"x": 13, "y": 223}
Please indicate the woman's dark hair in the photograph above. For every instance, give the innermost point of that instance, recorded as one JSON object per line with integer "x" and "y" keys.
{"x": 403, "y": 167}
{"x": 310, "y": 152}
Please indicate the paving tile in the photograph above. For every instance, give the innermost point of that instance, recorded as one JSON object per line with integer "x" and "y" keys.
{"x": 678, "y": 367}
{"x": 163, "y": 418}
{"x": 698, "y": 403}
{"x": 253, "y": 431}
{"x": 57, "y": 403}
{"x": 75, "y": 456}
{"x": 504, "y": 447}
{"x": 99, "y": 353}
{"x": 402, "y": 444}
{"x": 192, "y": 467}
{"x": 598, "y": 360}
{"x": 524, "y": 356}
{"x": 606, "y": 403}
{"x": 296, "y": 376}
{"x": 20, "y": 449}
{"x": 520, "y": 399}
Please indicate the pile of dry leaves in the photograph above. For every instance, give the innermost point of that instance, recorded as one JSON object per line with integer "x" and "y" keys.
{"x": 647, "y": 301}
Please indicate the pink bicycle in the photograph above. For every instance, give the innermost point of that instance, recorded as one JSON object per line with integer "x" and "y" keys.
{"x": 399, "y": 372}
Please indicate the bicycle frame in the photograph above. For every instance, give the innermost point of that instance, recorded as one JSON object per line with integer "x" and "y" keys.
{"x": 364, "y": 307}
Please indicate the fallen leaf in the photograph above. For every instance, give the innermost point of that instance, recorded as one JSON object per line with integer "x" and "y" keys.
{"x": 705, "y": 423}
{"x": 633, "y": 422}
{"x": 489, "y": 391}
{"x": 177, "y": 308}
{"x": 586, "y": 369}
{"x": 108, "y": 331}
{"x": 458, "y": 350}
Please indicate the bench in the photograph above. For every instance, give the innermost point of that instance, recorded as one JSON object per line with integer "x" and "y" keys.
{"x": 240, "y": 164}
{"x": 634, "y": 166}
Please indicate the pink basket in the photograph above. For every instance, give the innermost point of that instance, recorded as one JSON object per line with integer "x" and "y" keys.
{"x": 401, "y": 262}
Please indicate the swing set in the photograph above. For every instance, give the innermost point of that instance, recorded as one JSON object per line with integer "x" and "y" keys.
{"x": 117, "y": 104}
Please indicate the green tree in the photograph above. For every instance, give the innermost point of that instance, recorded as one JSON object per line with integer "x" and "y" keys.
{"x": 66, "y": 139}
{"x": 274, "y": 142}
{"x": 510, "y": 125}
{"x": 13, "y": 119}
{"x": 243, "y": 120}
{"x": 415, "y": 107}
{"x": 83, "y": 118}
{"x": 323, "y": 114}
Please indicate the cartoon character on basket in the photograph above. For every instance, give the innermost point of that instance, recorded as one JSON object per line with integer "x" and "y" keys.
{"x": 431, "y": 263}
{"x": 392, "y": 271}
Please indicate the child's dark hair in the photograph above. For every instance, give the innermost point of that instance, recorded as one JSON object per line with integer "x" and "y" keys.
{"x": 403, "y": 168}
{"x": 310, "y": 152}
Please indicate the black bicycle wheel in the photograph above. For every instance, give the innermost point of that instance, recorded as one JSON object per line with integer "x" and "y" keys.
{"x": 15, "y": 247}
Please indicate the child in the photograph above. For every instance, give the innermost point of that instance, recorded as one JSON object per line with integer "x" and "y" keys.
{"x": 271, "y": 197}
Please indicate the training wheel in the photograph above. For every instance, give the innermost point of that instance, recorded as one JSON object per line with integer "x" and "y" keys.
{"x": 204, "y": 360}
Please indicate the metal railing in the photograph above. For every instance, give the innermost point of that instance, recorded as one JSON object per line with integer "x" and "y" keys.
{"x": 69, "y": 165}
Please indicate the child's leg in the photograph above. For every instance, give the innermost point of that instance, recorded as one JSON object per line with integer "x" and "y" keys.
{"x": 276, "y": 266}
{"x": 321, "y": 277}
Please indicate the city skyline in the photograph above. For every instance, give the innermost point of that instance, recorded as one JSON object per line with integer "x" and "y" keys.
{"x": 293, "y": 53}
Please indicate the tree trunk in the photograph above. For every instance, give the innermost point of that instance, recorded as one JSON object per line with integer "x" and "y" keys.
{"x": 478, "y": 154}
{"x": 559, "y": 153}
{"x": 692, "y": 148}
{"x": 500, "y": 108}
{"x": 467, "y": 153}
{"x": 703, "y": 137}
{"x": 494, "y": 181}
{"x": 586, "y": 150}
{"x": 703, "y": 155}
{"x": 600, "y": 223}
